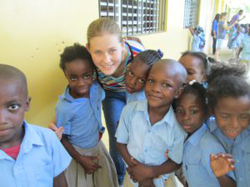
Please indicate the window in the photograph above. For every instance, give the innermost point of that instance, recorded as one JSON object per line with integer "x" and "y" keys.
{"x": 135, "y": 16}
{"x": 191, "y": 12}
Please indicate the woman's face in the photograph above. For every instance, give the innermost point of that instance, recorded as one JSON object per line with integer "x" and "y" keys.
{"x": 107, "y": 52}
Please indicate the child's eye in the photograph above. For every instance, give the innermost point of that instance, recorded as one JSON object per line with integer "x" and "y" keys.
{"x": 150, "y": 80}
{"x": 73, "y": 78}
{"x": 166, "y": 85}
{"x": 141, "y": 81}
{"x": 190, "y": 73}
{"x": 178, "y": 111}
{"x": 224, "y": 116}
{"x": 193, "y": 112}
{"x": 244, "y": 117}
{"x": 130, "y": 74}
{"x": 13, "y": 107}
{"x": 87, "y": 76}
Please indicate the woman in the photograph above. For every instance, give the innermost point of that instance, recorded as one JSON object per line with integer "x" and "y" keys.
{"x": 215, "y": 31}
{"x": 111, "y": 55}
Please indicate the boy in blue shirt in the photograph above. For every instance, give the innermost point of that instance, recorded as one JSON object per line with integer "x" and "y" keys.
{"x": 30, "y": 156}
{"x": 79, "y": 112}
{"x": 148, "y": 129}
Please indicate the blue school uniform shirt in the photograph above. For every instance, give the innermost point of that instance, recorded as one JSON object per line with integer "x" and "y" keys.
{"x": 137, "y": 96}
{"x": 81, "y": 117}
{"x": 245, "y": 45}
{"x": 196, "y": 158}
{"x": 41, "y": 158}
{"x": 147, "y": 143}
{"x": 196, "y": 43}
{"x": 239, "y": 148}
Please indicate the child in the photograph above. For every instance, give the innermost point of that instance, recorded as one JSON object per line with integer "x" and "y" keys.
{"x": 197, "y": 65}
{"x": 148, "y": 129}
{"x": 198, "y": 41}
{"x": 229, "y": 100}
{"x": 79, "y": 112}
{"x": 29, "y": 155}
{"x": 245, "y": 48}
{"x": 191, "y": 112}
{"x": 137, "y": 73}
{"x": 235, "y": 37}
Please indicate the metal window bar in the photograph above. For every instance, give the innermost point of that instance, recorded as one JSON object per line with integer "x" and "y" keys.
{"x": 135, "y": 16}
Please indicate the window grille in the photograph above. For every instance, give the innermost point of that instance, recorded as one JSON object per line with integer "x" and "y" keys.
{"x": 135, "y": 16}
{"x": 191, "y": 11}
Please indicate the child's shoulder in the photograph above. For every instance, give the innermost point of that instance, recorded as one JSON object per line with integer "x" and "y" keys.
{"x": 97, "y": 91}
{"x": 38, "y": 132}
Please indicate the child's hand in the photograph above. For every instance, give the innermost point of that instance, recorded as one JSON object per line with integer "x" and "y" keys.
{"x": 139, "y": 172}
{"x": 147, "y": 183}
{"x": 221, "y": 164}
{"x": 58, "y": 131}
{"x": 166, "y": 154}
{"x": 88, "y": 164}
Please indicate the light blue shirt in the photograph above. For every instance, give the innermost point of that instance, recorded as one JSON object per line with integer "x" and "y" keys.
{"x": 148, "y": 143}
{"x": 137, "y": 96}
{"x": 196, "y": 158}
{"x": 41, "y": 158}
{"x": 196, "y": 43}
{"x": 239, "y": 148}
{"x": 221, "y": 30}
{"x": 245, "y": 45}
{"x": 81, "y": 117}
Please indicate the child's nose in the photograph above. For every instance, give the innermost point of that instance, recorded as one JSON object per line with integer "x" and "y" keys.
{"x": 234, "y": 123}
{"x": 186, "y": 116}
{"x": 133, "y": 81}
{"x": 81, "y": 82}
{"x": 156, "y": 87}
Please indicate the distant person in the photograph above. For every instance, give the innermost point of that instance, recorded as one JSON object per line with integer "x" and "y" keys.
{"x": 222, "y": 28}
{"x": 236, "y": 18}
{"x": 198, "y": 41}
{"x": 215, "y": 31}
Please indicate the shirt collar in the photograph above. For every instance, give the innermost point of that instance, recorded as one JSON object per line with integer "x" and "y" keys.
{"x": 196, "y": 136}
{"x": 169, "y": 117}
{"x": 30, "y": 138}
{"x": 212, "y": 124}
{"x": 66, "y": 95}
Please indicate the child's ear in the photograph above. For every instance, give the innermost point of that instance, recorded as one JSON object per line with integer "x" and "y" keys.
{"x": 179, "y": 92}
{"x": 28, "y": 104}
